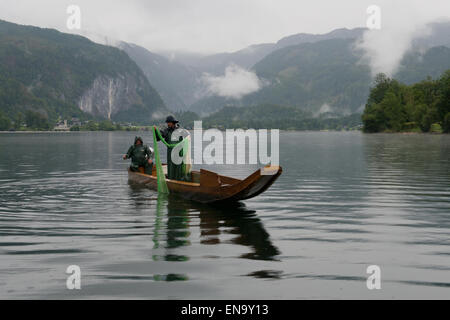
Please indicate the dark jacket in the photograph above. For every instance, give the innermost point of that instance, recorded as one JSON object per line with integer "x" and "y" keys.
{"x": 139, "y": 154}
{"x": 174, "y": 171}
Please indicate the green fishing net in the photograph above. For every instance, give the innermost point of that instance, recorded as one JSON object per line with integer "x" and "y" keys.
{"x": 186, "y": 164}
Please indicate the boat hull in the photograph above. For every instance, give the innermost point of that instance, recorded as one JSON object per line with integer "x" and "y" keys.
{"x": 209, "y": 187}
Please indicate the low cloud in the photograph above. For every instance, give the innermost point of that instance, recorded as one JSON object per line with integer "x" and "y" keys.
{"x": 325, "y": 108}
{"x": 401, "y": 23}
{"x": 158, "y": 115}
{"x": 332, "y": 111}
{"x": 236, "y": 83}
{"x": 384, "y": 49}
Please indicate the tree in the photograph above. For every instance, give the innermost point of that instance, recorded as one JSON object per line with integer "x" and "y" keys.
{"x": 381, "y": 85}
{"x": 446, "y": 123}
{"x": 443, "y": 105}
{"x": 106, "y": 125}
{"x": 36, "y": 120}
{"x": 395, "y": 107}
{"x": 5, "y": 123}
{"x": 18, "y": 121}
{"x": 394, "y": 111}
{"x": 91, "y": 126}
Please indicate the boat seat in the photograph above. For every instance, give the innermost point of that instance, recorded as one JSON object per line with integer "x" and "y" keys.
{"x": 164, "y": 167}
{"x": 209, "y": 179}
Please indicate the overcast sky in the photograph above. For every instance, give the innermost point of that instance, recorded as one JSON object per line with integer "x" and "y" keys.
{"x": 209, "y": 26}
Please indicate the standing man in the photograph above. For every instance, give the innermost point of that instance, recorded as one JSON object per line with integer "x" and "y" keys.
{"x": 141, "y": 156}
{"x": 174, "y": 171}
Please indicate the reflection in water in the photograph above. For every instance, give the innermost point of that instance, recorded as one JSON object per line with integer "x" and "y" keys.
{"x": 266, "y": 274}
{"x": 174, "y": 217}
{"x": 239, "y": 221}
{"x": 233, "y": 218}
{"x": 177, "y": 231}
{"x": 413, "y": 171}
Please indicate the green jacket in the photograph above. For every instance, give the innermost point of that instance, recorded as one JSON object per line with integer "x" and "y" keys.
{"x": 139, "y": 154}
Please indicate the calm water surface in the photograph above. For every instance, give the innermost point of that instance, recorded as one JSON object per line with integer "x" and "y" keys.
{"x": 344, "y": 201}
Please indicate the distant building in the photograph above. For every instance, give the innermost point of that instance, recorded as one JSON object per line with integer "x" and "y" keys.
{"x": 76, "y": 122}
{"x": 62, "y": 126}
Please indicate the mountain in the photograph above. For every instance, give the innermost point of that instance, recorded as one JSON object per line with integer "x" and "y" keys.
{"x": 58, "y": 74}
{"x": 329, "y": 73}
{"x": 177, "y": 76}
{"x": 216, "y": 63}
{"x": 176, "y": 83}
{"x": 326, "y": 76}
{"x": 300, "y": 38}
{"x": 439, "y": 35}
{"x": 416, "y": 66}
{"x": 276, "y": 116}
{"x": 247, "y": 57}
{"x": 306, "y": 70}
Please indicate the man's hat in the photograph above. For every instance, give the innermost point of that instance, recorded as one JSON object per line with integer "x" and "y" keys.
{"x": 171, "y": 119}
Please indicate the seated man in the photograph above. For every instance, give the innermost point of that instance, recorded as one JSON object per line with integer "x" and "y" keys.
{"x": 141, "y": 156}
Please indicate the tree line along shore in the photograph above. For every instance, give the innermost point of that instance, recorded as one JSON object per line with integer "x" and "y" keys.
{"x": 421, "y": 107}
{"x": 392, "y": 106}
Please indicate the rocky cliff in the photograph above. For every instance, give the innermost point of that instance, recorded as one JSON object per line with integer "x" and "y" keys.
{"x": 63, "y": 75}
{"x": 107, "y": 96}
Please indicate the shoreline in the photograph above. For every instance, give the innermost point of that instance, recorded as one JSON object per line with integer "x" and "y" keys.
{"x": 336, "y": 131}
{"x": 285, "y": 130}
{"x": 39, "y": 131}
{"x": 407, "y": 132}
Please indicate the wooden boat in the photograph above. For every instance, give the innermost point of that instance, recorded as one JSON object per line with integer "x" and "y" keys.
{"x": 209, "y": 187}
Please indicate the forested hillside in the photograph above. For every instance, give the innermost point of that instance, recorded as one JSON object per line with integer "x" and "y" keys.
{"x": 52, "y": 74}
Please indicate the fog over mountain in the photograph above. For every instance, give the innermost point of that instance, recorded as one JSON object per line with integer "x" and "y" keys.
{"x": 240, "y": 78}
{"x": 216, "y": 26}
{"x": 205, "y": 54}
{"x": 179, "y": 85}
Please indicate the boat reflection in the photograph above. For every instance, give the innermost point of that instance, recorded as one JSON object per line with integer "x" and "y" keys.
{"x": 176, "y": 232}
{"x": 238, "y": 220}
{"x": 216, "y": 220}
{"x": 175, "y": 216}
{"x": 176, "y": 219}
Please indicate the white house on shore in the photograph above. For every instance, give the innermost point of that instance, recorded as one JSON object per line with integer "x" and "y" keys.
{"x": 62, "y": 126}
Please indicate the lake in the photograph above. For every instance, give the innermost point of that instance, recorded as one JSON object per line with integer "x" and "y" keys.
{"x": 345, "y": 201}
